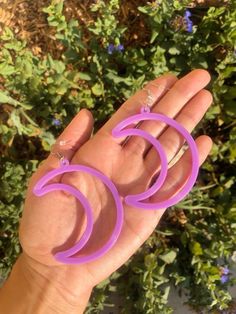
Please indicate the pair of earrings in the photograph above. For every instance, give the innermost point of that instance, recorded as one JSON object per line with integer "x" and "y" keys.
{"x": 138, "y": 200}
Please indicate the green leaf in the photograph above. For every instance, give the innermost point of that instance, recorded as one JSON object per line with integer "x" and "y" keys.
{"x": 143, "y": 9}
{"x": 15, "y": 45}
{"x": 28, "y": 70}
{"x": 7, "y": 34}
{"x": 61, "y": 90}
{"x": 168, "y": 257}
{"x": 114, "y": 77}
{"x": 166, "y": 293}
{"x": 167, "y": 232}
{"x": 9, "y": 100}
{"x": 154, "y": 36}
{"x": 56, "y": 65}
{"x": 142, "y": 63}
{"x": 196, "y": 248}
{"x": 97, "y": 89}
{"x": 47, "y": 139}
{"x": 174, "y": 51}
{"x": 59, "y": 7}
{"x": 150, "y": 261}
{"x": 84, "y": 76}
{"x": 6, "y": 69}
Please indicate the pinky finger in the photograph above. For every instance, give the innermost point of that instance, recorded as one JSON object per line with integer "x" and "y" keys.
{"x": 179, "y": 172}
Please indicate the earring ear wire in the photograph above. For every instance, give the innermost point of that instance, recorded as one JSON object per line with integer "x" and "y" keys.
{"x": 150, "y": 98}
{"x": 158, "y": 86}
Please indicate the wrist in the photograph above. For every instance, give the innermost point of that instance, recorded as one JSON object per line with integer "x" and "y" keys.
{"x": 36, "y": 288}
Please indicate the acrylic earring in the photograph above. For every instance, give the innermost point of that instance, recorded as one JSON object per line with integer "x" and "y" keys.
{"x": 42, "y": 188}
{"x": 138, "y": 201}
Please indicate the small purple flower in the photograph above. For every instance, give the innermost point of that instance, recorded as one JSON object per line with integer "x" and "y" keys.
{"x": 225, "y": 270}
{"x": 56, "y": 122}
{"x": 224, "y": 274}
{"x": 224, "y": 279}
{"x": 187, "y": 14}
{"x": 120, "y": 48}
{"x": 189, "y": 23}
{"x": 110, "y": 49}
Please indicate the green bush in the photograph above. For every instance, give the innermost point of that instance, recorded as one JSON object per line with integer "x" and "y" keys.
{"x": 196, "y": 240}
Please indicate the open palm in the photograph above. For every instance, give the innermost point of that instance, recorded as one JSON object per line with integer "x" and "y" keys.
{"x": 56, "y": 221}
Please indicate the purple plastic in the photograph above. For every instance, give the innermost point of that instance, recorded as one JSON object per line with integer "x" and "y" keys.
{"x": 133, "y": 200}
{"x": 40, "y": 189}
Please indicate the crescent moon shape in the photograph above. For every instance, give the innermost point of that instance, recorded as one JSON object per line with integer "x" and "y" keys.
{"x": 137, "y": 200}
{"x": 65, "y": 256}
{"x": 164, "y": 164}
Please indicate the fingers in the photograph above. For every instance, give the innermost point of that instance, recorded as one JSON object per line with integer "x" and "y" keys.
{"x": 170, "y": 105}
{"x": 132, "y": 105}
{"x": 180, "y": 172}
{"x": 171, "y": 140}
{"x": 75, "y": 135}
{"x": 139, "y": 224}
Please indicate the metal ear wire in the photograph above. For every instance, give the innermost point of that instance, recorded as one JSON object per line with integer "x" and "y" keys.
{"x": 64, "y": 142}
{"x": 150, "y": 97}
{"x": 158, "y": 86}
{"x": 65, "y": 145}
{"x": 145, "y": 107}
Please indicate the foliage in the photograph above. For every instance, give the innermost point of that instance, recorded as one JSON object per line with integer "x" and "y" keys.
{"x": 197, "y": 237}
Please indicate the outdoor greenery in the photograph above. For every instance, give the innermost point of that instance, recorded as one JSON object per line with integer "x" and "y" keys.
{"x": 102, "y": 63}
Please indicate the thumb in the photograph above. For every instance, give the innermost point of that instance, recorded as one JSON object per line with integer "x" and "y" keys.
{"x": 71, "y": 139}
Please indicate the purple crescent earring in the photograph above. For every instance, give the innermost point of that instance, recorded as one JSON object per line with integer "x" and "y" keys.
{"x": 145, "y": 114}
{"x": 138, "y": 201}
{"x": 41, "y": 189}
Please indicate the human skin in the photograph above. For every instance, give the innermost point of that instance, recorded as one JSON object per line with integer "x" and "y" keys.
{"x": 56, "y": 221}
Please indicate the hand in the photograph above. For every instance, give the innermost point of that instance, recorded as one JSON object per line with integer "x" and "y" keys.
{"x": 56, "y": 220}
